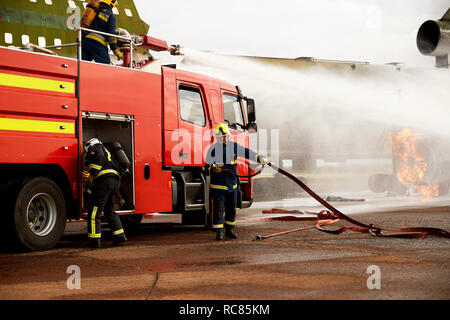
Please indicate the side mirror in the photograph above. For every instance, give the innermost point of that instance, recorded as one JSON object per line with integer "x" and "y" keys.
{"x": 251, "y": 116}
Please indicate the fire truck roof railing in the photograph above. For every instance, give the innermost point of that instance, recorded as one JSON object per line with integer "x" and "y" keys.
{"x": 129, "y": 39}
{"x": 79, "y": 42}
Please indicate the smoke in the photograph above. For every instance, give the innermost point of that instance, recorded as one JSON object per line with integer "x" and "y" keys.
{"x": 338, "y": 114}
{"x": 378, "y": 31}
{"x": 322, "y": 99}
{"x": 321, "y": 113}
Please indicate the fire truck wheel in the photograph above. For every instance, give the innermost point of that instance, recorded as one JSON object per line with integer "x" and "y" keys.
{"x": 39, "y": 214}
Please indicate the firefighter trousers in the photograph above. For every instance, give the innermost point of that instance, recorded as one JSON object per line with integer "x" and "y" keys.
{"x": 223, "y": 203}
{"x": 103, "y": 196}
{"x": 94, "y": 50}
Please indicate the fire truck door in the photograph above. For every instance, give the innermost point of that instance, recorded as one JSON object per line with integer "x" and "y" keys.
{"x": 193, "y": 126}
{"x": 234, "y": 116}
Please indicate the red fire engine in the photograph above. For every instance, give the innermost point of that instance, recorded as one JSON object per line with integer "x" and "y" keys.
{"x": 50, "y": 106}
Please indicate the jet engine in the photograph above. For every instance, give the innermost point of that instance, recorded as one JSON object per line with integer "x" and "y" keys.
{"x": 433, "y": 39}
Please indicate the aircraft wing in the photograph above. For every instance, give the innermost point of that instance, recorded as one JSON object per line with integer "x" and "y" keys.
{"x": 446, "y": 16}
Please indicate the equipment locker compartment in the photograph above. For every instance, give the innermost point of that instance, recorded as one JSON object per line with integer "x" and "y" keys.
{"x": 109, "y": 128}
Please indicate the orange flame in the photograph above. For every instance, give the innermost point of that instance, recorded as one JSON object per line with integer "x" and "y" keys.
{"x": 428, "y": 191}
{"x": 411, "y": 165}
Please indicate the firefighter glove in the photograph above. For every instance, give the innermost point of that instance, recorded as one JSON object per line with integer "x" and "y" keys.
{"x": 86, "y": 175}
{"x": 118, "y": 54}
{"x": 215, "y": 168}
{"x": 265, "y": 161}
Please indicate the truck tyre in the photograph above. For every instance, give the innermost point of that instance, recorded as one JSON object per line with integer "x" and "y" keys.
{"x": 39, "y": 214}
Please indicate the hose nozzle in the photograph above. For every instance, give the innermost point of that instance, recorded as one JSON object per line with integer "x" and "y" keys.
{"x": 175, "y": 50}
{"x": 258, "y": 237}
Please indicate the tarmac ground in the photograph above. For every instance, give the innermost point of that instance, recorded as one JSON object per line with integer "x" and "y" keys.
{"x": 164, "y": 260}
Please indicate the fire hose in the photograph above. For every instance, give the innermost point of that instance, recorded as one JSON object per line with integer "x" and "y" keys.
{"x": 334, "y": 215}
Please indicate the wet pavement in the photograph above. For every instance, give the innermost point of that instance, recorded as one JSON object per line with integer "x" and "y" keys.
{"x": 164, "y": 260}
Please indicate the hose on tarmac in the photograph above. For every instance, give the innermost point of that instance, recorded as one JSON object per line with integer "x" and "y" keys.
{"x": 334, "y": 215}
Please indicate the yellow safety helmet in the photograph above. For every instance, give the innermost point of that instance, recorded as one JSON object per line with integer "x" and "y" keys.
{"x": 112, "y": 3}
{"x": 222, "y": 130}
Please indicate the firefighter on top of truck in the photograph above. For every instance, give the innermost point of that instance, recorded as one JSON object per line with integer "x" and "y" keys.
{"x": 94, "y": 45}
{"x": 221, "y": 162}
{"x": 106, "y": 183}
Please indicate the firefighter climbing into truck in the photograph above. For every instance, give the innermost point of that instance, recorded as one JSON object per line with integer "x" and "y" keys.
{"x": 105, "y": 186}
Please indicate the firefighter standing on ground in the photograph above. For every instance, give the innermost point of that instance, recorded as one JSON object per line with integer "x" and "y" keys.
{"x": 106, "y": 183}
{"x": 222, "y": 165}
{"x": 94, "y": 45}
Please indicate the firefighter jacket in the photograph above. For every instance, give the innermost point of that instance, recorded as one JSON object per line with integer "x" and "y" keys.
{"x": 100, "y": 163}
{"x": 224, "y": 155}
{"x": 104, "y": 21}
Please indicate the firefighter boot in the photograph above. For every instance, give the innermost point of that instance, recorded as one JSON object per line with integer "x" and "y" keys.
{"x": 219, "y": 235}
{"x": 94, "y": 243}
{"x": 119, "y": 240}
{"x": 230, "y": 234}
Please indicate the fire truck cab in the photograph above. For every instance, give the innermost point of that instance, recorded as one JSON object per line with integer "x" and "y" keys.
{"x": 50, "y": 106}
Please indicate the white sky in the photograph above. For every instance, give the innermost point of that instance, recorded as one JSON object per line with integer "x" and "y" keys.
{"x": 378, "y": 31}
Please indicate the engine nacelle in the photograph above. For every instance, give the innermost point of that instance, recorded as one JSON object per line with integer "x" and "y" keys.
{"x": 433, "y": 39}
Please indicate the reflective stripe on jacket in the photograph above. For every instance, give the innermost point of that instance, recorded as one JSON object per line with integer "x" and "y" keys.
{"x": 100, "y": 162}
{"x": 225, "y": 156}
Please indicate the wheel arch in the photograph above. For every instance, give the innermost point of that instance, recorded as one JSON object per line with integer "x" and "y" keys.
{"x": 14, "y": 176}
